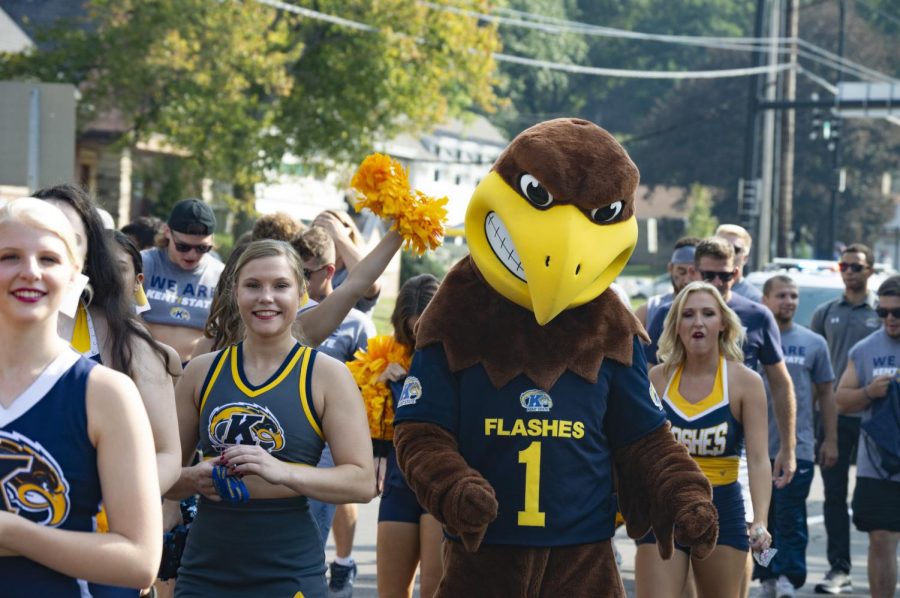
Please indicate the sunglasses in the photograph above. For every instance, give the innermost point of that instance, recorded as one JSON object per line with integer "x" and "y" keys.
{"x": 883, "y": 312}
{"x": 186, "y": 247}
{"x": 709, "y": 275}
{"x": 307, "y": 272}
{"x": 844, "y": 266}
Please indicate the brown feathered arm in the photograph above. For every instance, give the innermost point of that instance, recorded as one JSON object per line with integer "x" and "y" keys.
{"x": 454, "y": 493}
{"x": 660, "y": 486}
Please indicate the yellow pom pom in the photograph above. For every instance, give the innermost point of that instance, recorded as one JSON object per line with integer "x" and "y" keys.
{"x": 383, "y": 186}
{"x": 366, "y": 367}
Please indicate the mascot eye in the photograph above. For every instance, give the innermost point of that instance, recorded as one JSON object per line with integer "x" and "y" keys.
{"x": 534, "y": 191}
{"x": 607, "y": 214}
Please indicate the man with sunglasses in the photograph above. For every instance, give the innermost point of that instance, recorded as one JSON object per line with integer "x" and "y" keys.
{"x": 715, "y": 263}
{"x": 873, "y": 366}
{"x": 741, "y": 240}
{"x": 180, "y": 276}
{"x": 844, "y": 322}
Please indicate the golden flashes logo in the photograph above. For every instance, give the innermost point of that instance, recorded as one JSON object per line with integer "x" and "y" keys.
{"x": 245, "y": 423}
{"x": 32, "y": 481}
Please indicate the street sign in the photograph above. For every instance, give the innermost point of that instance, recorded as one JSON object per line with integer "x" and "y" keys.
{"x": 869, "y": 99}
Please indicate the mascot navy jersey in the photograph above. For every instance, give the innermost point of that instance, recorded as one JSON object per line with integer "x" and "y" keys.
{"x": 48, "y": 469}
{"x": 548, "y": 455}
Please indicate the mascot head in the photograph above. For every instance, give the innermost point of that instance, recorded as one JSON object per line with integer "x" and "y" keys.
{"x": 553, "y": 223}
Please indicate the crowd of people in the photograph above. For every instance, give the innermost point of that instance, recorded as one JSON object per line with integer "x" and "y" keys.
{"x": 166, "y": 394}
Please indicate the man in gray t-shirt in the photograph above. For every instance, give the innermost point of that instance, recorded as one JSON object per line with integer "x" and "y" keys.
{"x": 809, "y": 366}
{"x": 873, "y": 366}
{"x": 843, "y": 322}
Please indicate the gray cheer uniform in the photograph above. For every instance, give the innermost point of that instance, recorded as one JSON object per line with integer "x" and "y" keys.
{"x": 265, "y": 547}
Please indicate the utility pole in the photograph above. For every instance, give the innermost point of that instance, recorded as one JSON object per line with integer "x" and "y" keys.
{"x": 788, "y": 131}
{"x": 836, "y": 149}
{"x": 751, "y": 136}
{"x": 767, "y": 191}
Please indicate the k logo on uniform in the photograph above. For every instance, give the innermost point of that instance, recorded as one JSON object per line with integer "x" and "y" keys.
{"x": 245, "y": 423}
{"x": 33, "y": 482}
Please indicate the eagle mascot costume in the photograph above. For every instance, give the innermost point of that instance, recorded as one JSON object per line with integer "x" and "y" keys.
{"x": 527, "y": 405}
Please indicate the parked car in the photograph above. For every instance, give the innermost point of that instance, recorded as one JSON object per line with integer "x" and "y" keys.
{"x": 653, "y": 286}
{"x": 817, "y": 285}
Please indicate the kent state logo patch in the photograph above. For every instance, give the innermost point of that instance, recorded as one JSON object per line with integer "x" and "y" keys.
{"x": 33, "y": 483}
{"x": 412, "y": 390}
{"x": 535, "y": 401}
{"x": 180, "y": 313}
{"x": 245, "y": 423}
{"x": 654, "y": 396}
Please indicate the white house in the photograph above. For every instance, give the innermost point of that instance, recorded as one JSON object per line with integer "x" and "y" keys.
{"x": 447, "y": 162}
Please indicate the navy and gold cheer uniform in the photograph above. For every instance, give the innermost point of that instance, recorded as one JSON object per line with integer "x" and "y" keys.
{"x": 548, "y": 455}
{"x": 48, "y": 470}
{"x": 715, "y": 439}
{"x": 266, "y": 547}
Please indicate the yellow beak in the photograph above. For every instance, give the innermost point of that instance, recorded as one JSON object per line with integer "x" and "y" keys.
{"x": 549, "y": 260}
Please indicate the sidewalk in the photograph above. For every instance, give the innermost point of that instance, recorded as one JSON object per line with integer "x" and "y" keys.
{"x": 364, "y": 551}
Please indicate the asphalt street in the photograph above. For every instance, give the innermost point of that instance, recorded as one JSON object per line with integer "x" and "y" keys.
{"x": 364, "y": 551}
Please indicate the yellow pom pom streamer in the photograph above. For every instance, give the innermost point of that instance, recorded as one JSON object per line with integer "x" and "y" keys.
{"x": 366, "y": 367}
{"x": 383, "y": 187}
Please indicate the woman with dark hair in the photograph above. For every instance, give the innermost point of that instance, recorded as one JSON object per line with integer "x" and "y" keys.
{"x": 407, "y": 535}
{"x": 107, "y": 330}
{"x": 131, "y": 266}
{"x": 262, "y": 410}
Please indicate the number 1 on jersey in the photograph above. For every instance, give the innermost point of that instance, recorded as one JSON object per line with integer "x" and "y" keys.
{"x": 531, "y": 457}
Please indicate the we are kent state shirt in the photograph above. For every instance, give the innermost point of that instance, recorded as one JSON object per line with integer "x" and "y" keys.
{"x": 548, "y": 455}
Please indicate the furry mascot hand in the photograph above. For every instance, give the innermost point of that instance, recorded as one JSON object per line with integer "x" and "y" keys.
{"x": 454, "y": 493}
{"x": 660, "y": 486}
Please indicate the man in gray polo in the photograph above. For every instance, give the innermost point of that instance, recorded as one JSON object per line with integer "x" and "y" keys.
{"x": 843, "y": 322}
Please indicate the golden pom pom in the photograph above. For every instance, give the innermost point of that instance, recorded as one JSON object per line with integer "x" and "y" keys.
{"x": 366, "y": 367}
{"x": 383, "y": 187}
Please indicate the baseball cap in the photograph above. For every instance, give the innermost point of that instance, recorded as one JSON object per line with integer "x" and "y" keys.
{"x": 192, "y": 217}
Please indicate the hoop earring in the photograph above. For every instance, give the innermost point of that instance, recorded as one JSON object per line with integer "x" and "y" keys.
{"x": 87, "y": 295}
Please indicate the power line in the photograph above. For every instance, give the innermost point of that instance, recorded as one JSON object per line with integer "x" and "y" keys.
{"x": 636, "y": 74}
{"x": 746, "y": 44}
{"x": 878, "y": 11}
{"x": 555, "y": 27}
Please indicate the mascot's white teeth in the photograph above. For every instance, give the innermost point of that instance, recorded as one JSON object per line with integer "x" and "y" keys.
{"x": 501, "y": 243}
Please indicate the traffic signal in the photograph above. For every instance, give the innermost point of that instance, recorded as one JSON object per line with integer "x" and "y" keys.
{"x": 750, "y": 197}
{"x": 834, "y": 133}
{"x": 816, "y": 118}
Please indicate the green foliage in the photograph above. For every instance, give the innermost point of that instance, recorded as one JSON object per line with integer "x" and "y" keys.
{"x": 413, "y": 265}
{"x": 224, "y": 244}
{"x": 235, "y": 85}
{"x": 540, "y": 94}
{"x": 701, "y": 222}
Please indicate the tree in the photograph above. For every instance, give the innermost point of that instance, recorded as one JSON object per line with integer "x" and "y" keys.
{"x": 701, "y": 222}
{"x": 237, "y": 84}
{"x": 540, "y": 94}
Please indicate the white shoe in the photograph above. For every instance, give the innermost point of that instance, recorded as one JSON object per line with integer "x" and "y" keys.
{"x": 784, "y": 588}
{"x": 767, "y": 589}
